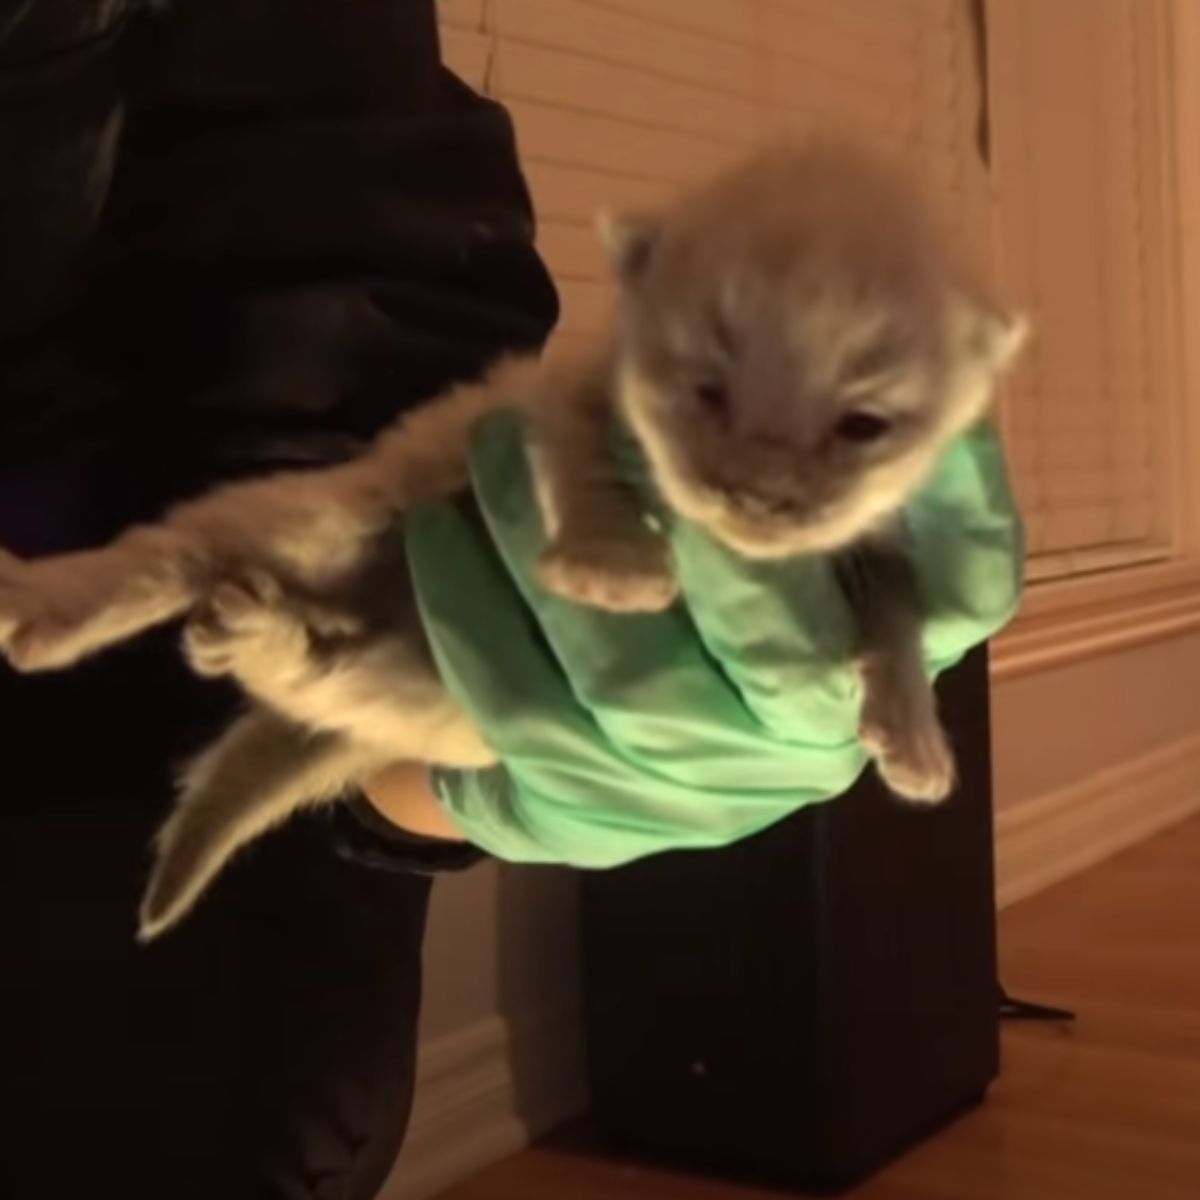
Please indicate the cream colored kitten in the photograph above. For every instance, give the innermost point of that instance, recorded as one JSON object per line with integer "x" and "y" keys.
{"x": 791, "y": 351}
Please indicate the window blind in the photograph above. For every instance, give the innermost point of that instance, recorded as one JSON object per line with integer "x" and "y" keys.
{"x": 1078, "y": 139}
{"x": 619, "y": 103}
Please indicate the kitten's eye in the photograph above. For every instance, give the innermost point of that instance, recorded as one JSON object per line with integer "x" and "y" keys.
{"x": 862, "y": 427}
{"x": 714, "y": 397}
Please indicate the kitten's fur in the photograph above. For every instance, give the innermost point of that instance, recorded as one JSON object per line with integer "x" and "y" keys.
{"x": 792, "y": 352}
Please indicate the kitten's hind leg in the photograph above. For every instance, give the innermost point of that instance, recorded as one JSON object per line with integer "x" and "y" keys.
{"x": 261, "y": 771}
{"x": 56, "y": 611}
{"x": 246, "y": 628}
{"x": 276, "y": 644}
{"x": 320, "y": 664}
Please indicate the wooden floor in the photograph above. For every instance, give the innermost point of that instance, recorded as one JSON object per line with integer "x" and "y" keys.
{"x": 1109, "y": 1111}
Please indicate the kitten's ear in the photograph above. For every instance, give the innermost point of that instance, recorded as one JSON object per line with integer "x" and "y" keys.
{"x": 989, "y": 333}
{"x": 1002, "y": 335}
{"x": 629, "y": 242}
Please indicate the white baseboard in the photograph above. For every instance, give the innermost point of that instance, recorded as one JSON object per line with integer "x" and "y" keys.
{"x": 1046, "y": 840}
{"x": 484, "y": 1093}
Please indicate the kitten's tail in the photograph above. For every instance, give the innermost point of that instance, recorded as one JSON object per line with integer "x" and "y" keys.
{"x": 256, "y": 775}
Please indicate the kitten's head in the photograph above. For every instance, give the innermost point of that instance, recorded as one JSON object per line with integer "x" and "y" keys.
{"x": 794, "y": 352}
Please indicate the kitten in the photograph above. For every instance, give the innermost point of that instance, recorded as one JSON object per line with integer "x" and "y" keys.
{"x": 792, "y": 352}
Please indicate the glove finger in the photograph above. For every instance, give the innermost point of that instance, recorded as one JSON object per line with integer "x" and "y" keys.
{"x": 967, "y": 546}
{"x": 781, "y": 630}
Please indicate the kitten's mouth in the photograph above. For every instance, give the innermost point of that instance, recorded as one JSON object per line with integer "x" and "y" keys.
{"x": 818, "y": 531}
{"x": 757, "y": 527}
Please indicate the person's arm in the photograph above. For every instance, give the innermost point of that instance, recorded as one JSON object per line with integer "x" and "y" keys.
{"x": 403, "y": 795}
{"x": 397, "y": 823}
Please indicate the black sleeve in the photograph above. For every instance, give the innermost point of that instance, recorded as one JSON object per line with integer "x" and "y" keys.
{"x": 364, "y": 836}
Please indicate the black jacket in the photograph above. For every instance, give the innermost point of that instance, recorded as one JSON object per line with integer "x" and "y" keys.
{"x": 283, "y": 243}
{"x": 302, "y": 227}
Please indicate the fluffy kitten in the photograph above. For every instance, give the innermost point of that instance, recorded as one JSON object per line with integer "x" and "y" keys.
{"x": 792, "y": 352}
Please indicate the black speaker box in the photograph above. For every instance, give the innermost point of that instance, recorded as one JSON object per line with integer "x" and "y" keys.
{"x": 801, "y": 1008}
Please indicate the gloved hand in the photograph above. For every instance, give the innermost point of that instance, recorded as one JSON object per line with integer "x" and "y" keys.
{"x": 625, "y": 735}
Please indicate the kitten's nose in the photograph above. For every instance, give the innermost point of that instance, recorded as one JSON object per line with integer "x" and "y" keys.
{"x": 772, "y": 454}
{"x": 767, "y": 445}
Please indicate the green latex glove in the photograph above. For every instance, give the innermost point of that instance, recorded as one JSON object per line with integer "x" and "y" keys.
{"x": 625, "y": 735}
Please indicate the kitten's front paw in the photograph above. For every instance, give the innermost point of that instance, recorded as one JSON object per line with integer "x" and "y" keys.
{"x": 620, "y": 575}
{"x": 913, "y": 755}
{"x": 243, "y": 624}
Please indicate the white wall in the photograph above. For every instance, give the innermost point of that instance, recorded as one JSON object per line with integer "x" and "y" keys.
{"x": 1057, "y": 727}
{"x": 501, "y": 1040}
{"x": 501, "y": 940}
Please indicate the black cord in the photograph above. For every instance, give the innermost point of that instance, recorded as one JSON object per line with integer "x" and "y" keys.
{"x": 1011, "y": 1009}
